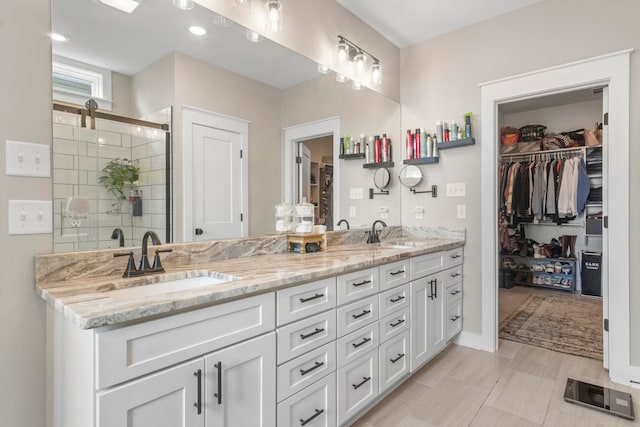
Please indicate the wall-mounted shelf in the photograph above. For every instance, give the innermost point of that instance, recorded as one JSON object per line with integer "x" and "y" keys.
{"x": 352, "y": 156}
{"x": 422, "y": 161}
{"x": 378, "y": 165}
{"x": 456, "y": 143}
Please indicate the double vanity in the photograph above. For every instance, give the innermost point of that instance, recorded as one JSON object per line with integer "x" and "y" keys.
{"x": 262, "y": 340}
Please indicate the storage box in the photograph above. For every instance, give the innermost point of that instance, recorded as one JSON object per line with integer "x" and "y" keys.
{"x": 594, "y": 226}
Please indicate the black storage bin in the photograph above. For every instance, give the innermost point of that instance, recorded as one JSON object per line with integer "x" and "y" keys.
{"x": 591, "y": 273}
{"x": 505, "y": 279}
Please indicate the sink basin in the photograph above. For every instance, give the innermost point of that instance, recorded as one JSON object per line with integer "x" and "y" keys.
{"x": 203, "y": 279}
{"x": 401, "y": 244}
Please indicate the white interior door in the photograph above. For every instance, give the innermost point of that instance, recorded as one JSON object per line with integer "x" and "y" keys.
{"x": 217, "y": 183}
{"x": 304, "y": 173}
{"x": 604, "y": 263}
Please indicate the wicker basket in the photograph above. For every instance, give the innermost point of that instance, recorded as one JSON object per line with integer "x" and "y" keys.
{"x": 531, "y": 132}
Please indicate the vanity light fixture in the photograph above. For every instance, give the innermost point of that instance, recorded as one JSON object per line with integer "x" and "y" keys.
{"x": 343, "y": 50}
{"x": 323, "y": 69}
{"x": 56, "y": 37}
{"x": 351, "y": 54}
{"x": 359, "y": 61}
{"x": 376, "y": 73}
{"x": 183, "y": 4}
{"x": 124, "y": 5}
{"x": 222, "y": 21}
{"x": 252, "y": 36}
{"x": 197, "y": 31}
{"x": 243, "y": 5}
{"x": 341, "y": 78}
{"x": 274, "y": 15}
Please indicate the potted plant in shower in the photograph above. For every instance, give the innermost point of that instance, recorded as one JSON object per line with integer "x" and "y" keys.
{"x": 117, "y": 174}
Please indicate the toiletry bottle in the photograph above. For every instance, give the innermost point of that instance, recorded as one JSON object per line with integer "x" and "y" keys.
{"x": 446, "y": 134}
{"x": 439, "y": 131}
{"x": 416, "y": 149}
{"x": 424, "y": 143}
{"x": 429, "y": 146}
{"x": 453, "y": 131}
{"x": 342, "y": 146}
{"x": 409, "y": 145}
{"x": 385, "y": 148}
{"x": 376, "y": 149}
{"x": 467, "y": 125}
{"x": 367, "y": 153}
{"x": 389, "y": 154}
{"x": 347, "y": 142}
{"x": 435, "y": 150}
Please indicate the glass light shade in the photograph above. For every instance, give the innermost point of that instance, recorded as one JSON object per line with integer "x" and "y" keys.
{"x": 341, "y": 78}
{"x": 183, "y": 4}
{"x": 356, "y": 85}
{"x": 253, "y": 36}
{"x": 323, "y": 69}
{"x": 359, "y": 60}
{"x": 274, "y": 15}
{"x": 243, "y": 5}
{"x": 376, "y": 74}
{"x": 222, "y": 21}
{"x": 343, "y": 51}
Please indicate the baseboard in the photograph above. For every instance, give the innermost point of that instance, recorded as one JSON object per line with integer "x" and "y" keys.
{"x": 634, "y": 376}
{"x": 469, "y": 339}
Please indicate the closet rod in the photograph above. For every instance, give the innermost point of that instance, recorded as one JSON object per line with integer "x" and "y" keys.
{"x": 532, "y": 154}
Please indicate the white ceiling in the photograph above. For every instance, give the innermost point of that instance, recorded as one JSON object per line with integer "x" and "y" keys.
{"x": 407, "y": 22}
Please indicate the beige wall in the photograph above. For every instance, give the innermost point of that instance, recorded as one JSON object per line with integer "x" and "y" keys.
{"x": 153, "y": 88}
{"x": 440, "y": 80}
{"x": 25, "y": 114}
{"x": 121, "y": 88}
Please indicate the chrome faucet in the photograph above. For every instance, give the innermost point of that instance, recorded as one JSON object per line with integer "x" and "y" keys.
{"x": 117, "y": 233}
{"x": 373, "y": 234}
{"x": 343, "y": 221}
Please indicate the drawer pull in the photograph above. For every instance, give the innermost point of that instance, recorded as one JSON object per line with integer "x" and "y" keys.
{"x": 454, "y": 318}
{"x": 364, "y": 381}
{"x": 400, "y": 298}
{"x": 364, "y": 282}
{"x": 456, "y": 292}
{"x": 311, "y": 418}
{"x": 455, "y": 274}
{"x": 313, "y": 368}
{"x": 398, "y": 323}
{"x": 316, "y": 296}
{"x": 361, "y": 343}
{"x": 218, "y": 395}
{"x": 198, "y": 404}
{"x": 364, "y": 313}
{"x": 400, "y": 356}
{"x": 395, "y": 273}
{"x": 456, "y": 256}
{"x": 310, "y": 334}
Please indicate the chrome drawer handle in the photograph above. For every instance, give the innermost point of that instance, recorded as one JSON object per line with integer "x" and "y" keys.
{"x": 364, "y": 313}
{"x": 361, "y": 343}
{"x": 364, "y": 282}
{"x": 311, "y": 418}
{"x": 400, "y": 356}
{"x": 310, "y": 334}
{"x": 316, "y": 296}
{"x": 311, "y": 369}
{"x": 456, "y": 256}
{"x": 398, "y": 323}
{"x": 395, "y": 273}
{"x": 456, "y": 292}
{"x": 400, "y": 298}
{"x": 364, "y": 381}
{"x": 455, "y": 274}
{"x": 454, "y": 318}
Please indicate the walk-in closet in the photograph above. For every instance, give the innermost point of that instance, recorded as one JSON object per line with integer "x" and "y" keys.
{"x": 552, "y": 193}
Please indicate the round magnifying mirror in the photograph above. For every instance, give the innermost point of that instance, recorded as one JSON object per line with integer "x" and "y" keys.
{"x": 381, "y": 178}
{"x": 410, "y": 176}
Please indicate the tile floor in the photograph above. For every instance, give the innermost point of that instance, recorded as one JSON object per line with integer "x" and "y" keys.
{"x": 519, "y": 385}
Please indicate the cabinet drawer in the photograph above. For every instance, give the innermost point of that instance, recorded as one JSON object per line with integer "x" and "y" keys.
{"x": 305, "y": 300}
{"x": 356, "y": 315}
{"x": 393, "y": 300}
{"x": 394, "y": 360}
{"x": 454, "y": 257}
{"x": 394, "y": 274}
{"x": 454, "y": 275}
{"x": 131, "y": 351}
{"x": 424, "y": 265}
{"x": 394, "y": 324}
{"x": 357, "y": 343}
{"x": 305, "y": 335}
{"x": 454, "y": 319}
{"x": 314, "y": 406}
{"x": 357, "y": 385}
{"x": 453, "y": 292}
{"x": 356, "y": 285}
{"x": 302, "y": 371}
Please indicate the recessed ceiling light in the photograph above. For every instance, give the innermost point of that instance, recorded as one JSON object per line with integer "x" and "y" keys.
{"x": 123, "y": 5}
{"x": 59, "y": 37}
{"x": 197, "y": 31}
{"x": 253, "y": 36}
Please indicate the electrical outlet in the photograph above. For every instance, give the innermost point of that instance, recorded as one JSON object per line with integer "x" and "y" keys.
{"x": 461, "y": 211}
{"x": 384, "y": 212}
{"x": 456, "y": 189}
{"x": 352, "y": 211}
{"x": 356, "y": 194}
{"x": 27, "y": 159}
{"x": 30, "y": 217}
{"x": 419, "y": 212}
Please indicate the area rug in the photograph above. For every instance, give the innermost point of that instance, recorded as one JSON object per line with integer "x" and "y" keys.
{"x": 569, "y": 325}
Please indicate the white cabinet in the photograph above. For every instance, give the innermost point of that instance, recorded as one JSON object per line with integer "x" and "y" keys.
{"x": 298, "y": 302}
{"x": 427, "y": 311}
{"x": 357, "y": 385}
{"x": 240, "y": 384}
{"x": 315, "y": 406}
{"x": 302, "y": 371}
{"x": 170, "y": 398}
{"x": 356, "y": 285}
{"x": 394, "y": 361}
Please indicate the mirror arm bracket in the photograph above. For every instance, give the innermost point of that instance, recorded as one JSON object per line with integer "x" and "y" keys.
{"x": 434, "y": 191}
{"x": 382, "y": 193}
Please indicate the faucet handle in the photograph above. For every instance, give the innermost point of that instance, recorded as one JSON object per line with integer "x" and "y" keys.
{"x": 131, "y": 269}
{"x": 157, "y": 265}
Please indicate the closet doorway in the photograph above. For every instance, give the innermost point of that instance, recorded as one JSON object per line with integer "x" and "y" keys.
{"x": 550, "y": 189}
{"x": 315, "y": 177}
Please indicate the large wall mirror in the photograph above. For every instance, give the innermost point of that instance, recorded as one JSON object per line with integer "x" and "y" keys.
{"x": 157, "y": 70}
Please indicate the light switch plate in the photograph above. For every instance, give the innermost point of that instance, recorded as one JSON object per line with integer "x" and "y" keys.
{"x": 461, "y": 211}
{"x": 456, "y": 189}
{"x": 28, "y": 159}
{"x": 30, "y": 217}
{"x": 356, "y": 194}
{"x": 352, "y": 211}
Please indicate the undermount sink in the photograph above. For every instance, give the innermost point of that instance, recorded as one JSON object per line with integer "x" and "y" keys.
{"x": 168, "y": 285}
{"x": 401, "y": 244}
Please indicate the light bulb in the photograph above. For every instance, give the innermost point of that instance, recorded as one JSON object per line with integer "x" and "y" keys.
{"x": 376, "y": 74}
{"x": 359, "y": 60}
{"x": 341, "y": 78}
{"x": 183, "y": 4}
{"x": 274, "y": 9}
{"x": 343, "y": 51}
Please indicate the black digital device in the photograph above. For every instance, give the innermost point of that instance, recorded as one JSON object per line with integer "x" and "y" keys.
{"x": 601, "y": 398}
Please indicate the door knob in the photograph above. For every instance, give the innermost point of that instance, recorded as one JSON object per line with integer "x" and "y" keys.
{"x": 199, "y": 232}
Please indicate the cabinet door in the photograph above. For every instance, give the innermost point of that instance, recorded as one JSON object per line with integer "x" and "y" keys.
{"x": 436, "y": 326}
{"x": 240, "y": 384}
{"x": 427, "y": 326}
{"x": 168, "y": 398}
{"x": 357, "y": 386}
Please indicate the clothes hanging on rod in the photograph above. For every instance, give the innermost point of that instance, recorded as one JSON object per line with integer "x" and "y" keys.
{"x": 543, "y": 185}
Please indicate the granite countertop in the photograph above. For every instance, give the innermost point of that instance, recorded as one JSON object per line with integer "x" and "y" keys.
{"x": 95, "y": 302}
